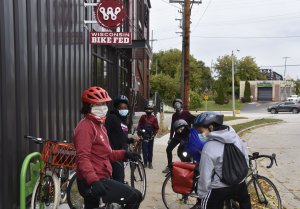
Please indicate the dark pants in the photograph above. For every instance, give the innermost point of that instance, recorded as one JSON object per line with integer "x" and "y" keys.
{"x": 117, "y": 193}
{"x": 118, "y": 171}
{"x": 147, "y": 151}
{"x": 170, "y": 147}
{"x": 216, "y": 197}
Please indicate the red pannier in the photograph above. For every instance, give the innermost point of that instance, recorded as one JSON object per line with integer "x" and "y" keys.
{"x": 184, "y": 177}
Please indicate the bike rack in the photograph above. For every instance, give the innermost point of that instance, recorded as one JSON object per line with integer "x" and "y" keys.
{"x": 26, "y": 188}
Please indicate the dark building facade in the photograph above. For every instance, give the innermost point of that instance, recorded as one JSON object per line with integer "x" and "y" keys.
{"x": 46, "y": 62}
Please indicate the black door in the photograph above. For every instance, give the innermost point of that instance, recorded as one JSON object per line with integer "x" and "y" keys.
{"x": 264, "y": 94}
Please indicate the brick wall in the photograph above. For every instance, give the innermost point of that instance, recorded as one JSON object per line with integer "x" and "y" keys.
{"x": 253, "y": 93}
{"x": 277, "y": 93}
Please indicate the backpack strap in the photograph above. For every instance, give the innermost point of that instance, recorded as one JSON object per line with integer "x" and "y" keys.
{"x": 212, "y": 178}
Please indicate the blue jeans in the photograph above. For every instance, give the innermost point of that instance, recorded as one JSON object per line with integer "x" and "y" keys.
{"x": 147, "y": 151}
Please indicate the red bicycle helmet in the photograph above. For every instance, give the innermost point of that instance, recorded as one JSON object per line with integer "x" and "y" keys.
{"x": 94, "y": 95}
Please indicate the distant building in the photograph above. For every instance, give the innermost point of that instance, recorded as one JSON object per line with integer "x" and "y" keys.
{"x": 269, "y": 90}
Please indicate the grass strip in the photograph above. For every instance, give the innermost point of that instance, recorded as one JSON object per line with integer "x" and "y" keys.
{"x": 211, "y": 106}
{"x": 239, "y": 127}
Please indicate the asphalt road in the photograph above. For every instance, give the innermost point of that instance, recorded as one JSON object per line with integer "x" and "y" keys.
{"x": 257, "y": 107}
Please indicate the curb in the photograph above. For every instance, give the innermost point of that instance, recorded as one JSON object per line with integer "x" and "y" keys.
{"x": 252, "y": 127}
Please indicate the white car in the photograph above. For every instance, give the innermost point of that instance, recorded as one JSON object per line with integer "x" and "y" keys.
{"x": 293, "y": 98}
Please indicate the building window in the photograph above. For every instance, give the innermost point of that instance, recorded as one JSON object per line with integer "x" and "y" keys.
{"x": 99, "y": 72}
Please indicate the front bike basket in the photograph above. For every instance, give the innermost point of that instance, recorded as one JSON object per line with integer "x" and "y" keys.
{"x": 59, "y": 154}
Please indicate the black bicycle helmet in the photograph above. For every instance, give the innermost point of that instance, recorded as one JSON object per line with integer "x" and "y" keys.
{"x": 178, "y": 100}
{"x": 179, "y": 123}
{"x": 183, "y": 155}
{"x": 149, "y": 108}
{"x": 120, "y": 99}
{"x": 207, "y": 118}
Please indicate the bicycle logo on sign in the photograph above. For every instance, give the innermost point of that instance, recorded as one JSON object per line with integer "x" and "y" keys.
{"x": 110, "y": 14}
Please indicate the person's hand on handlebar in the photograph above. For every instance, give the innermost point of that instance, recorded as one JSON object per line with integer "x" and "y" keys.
{"x": 152, "y": 137}
{"x": 136, "y": 139}
{"x": 99, "y": 188}
{"x": 133, "y": 156}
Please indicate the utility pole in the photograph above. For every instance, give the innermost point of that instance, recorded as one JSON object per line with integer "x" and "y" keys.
{"x": 233, "y": 101}
{"x": 152, "y": 41}
{"x": 182, "y": 56}
{"x": 284, "y": 77}
{"x": 187, "y": 15}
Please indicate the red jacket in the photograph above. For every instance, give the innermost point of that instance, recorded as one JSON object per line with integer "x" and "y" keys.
{"x": 151, "y": 120}
{"x": 93, "y": 151}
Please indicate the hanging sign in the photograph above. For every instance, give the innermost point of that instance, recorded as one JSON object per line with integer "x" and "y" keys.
{"x": 110, "y": 14}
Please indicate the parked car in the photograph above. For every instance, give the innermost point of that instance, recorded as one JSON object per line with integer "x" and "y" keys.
{"x": 293, "y": 98}
{"x": 285, "y": 107}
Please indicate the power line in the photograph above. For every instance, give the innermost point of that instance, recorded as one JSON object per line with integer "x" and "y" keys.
{"x": 170, "y": 4}
{"x": 248, "y": 37}
{"x": 202, "y": 16}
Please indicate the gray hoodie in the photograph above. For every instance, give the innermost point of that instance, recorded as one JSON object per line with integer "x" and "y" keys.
{"x": 212, "y": 159}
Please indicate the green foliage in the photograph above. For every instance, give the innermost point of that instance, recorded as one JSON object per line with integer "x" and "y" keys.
{"x": 167, "y": 87}
{"x": 221, "y": 95}
{"x": 297, "y": 87}
{"x": 169, "y": 64}
{"x": 195, "y": 100}
{"x": 245, "y": 69}
{"x": 247, "y": 92}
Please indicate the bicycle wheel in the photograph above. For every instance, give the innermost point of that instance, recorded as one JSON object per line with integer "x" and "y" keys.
{"x": 138, "y": 177}
{"x": 50, "y": 190}
{"x": 175, "y": 200}
{"x": 264, "y": 193}
{"x": 64, "y": 181}
{"x": 74, "y": 199}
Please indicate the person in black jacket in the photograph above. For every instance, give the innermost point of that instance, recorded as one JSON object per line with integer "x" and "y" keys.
{"x": 117, "y": 132}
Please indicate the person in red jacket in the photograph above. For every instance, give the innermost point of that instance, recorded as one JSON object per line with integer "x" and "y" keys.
{"x": 150, "y": 124}
{"x": 94, "y": 154}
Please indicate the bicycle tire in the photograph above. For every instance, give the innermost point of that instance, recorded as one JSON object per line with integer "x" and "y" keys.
{"x": 62, "y": 179}
{"x": 48, "y": 178}
{"x": 138, "y": 174}
{"x": 74, "y": 199}
{"x": 180, "y": 200}
{"x": 276, "y": 203}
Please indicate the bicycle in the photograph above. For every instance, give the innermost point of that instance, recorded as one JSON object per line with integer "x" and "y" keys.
{"x": 176, "y": 200}
{"x": 50, "y": 188}
{"x": 262, "y": 189}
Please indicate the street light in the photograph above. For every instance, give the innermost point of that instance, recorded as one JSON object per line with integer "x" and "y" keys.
{"x": 284, "y": 78}
{"x": 233, "y": 101}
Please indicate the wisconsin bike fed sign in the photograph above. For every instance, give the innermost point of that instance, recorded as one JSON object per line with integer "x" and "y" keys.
{"x": 110, "y": 14}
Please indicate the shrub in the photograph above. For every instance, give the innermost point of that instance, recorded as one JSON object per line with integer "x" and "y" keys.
{"x": 195, "y": 101}
{"x": 226, "y": 100}
{"x": 244, "y": 99}
{"x": 247, "y": 92}
{"x": 216, "y": 100}
{"x": 221, "y": 95}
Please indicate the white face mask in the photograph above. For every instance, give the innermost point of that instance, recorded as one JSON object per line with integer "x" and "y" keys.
{"x": 99, "y": 111}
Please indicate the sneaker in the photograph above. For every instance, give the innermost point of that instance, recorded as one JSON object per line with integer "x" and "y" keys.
{"x": 197, "y": 205}
{"x": 167, "y": 170}
{"x": 150, "y": 166}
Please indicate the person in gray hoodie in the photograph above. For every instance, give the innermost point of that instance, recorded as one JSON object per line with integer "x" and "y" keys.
{"x": 211, "y": 190}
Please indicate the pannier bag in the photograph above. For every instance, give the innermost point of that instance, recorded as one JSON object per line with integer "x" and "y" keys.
{"x": 184, "y": 177}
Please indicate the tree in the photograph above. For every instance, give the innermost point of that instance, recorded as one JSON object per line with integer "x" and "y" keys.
{"x": 221, "y": 95}
{"x": 167, "y": 87}
{"x": 297, "y": 87}
{"x": 245, "y": 69}
{"x": 247, "y": 91}
{"x": 195, "y": 100}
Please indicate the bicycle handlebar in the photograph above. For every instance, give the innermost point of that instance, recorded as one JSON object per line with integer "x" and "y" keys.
{"x": 257, "y": 156}
{"x": 35, "y": 139}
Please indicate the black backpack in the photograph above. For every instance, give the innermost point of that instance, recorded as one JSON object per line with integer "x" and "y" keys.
{"x": 235, "y": 167}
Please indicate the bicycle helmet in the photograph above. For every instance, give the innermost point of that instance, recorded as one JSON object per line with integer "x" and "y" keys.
{"x": 183, "y": 155}
{"x": 179, "y": 123}
{"x": 94, "y": 95}
{"x": 148, "y": 108}
{"x": 120, "y": 99}
{"x": 178, "y": 100}
{"x": 207, "y": 118}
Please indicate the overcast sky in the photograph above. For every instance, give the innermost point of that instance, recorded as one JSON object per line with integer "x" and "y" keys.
{"x": 234, "y": 19}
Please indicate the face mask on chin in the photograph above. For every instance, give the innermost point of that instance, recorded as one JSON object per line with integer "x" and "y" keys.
{"x": 99, "y": 111}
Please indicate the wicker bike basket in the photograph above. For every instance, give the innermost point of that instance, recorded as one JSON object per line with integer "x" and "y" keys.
{"x": 59, "y": 154}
